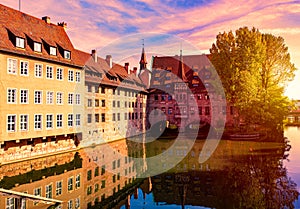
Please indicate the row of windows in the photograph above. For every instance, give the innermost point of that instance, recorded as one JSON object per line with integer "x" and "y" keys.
{"x": 38, "y": 97}
{"x": 23, "y": 122}
{"x": 98, "y": 89}
{"x": 12, "y": 68}
{"x": 127, "y": 116}
{"x": 37, "y": 47}
{"x": 183, "y": 110}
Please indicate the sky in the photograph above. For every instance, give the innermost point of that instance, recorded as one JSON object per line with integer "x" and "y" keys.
{"x": 117, "y": 27}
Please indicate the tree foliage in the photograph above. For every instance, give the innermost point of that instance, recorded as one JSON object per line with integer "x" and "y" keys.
{"x": 254, "y": 69}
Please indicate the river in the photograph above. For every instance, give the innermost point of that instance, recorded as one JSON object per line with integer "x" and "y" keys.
{"x": 126, "y": 174}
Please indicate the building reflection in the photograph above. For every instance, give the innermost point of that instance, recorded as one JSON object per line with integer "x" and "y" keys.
{"x": 237, "y": 175}
{"x": 92, "y": 177}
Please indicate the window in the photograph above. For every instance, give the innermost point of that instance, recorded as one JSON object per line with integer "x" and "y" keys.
{"x": 10, "y": 203}
{"x": 96, "y": 187}
{"x": 70, "y": 98}
{"x": 70, "y": 204}
{"x": 77, "y": 77}
{"x": 89, "y": 175}
{"x": 11, "y": 96}
{"x": 23, "y": 122}
{"x": 37, "y": 122}
{"x": 119, "y": 117}
{"x": 103, "y": 169}
{"x": 89, "y": 87}
{"x": 49, "y": 121}
{"x": 67, "y": 54}
{"x": 114, "y": 117}
{"x": 59, "y": 120}
{"x": 11, "y": 123}
{"x": 200, "y": 110}
{"x": 23, "y": 68}
{"x": 97, "y": 89}
{"x": 89, "y": 190}
{"x": 59, "y": 74}
{"x": 12, "y": 66}
{"x": 96, "y": 102}
{"x": 170, "y": 110}
{"x": 20, "y": 42}
{"x": 37, "y": 191}
{"x": 102, "y": 184}
{"x": 70, "y": 120}
{"x": 114, "y": 104}
{"x": 89, "y": 103}
{"x": 49, "y": 98}
{"x": 70, "y": 183}
{"x": 102, "y": 117}
{"x": 24, "y": 96}
{"x": 77, "y": 181}
{"x": 118, "y": 103}
{"x": 38, "y": 69}
{"x": 89, "y": 119}
{"x": 207, "y": 111}
{"x": 58, "y": 188}
{"x": 59, "y": 98}
{"x": 49, "y": 191}
{"x": 96, "y": 171}
{"x": 52, "y": 51}
{"x": 102, "y": 90}
{"x": 77, "y": 203}
{"x": 97, "y": 118}
{"x": 77, "y": 120}
{"x": 49, "y": 72}
{"x": 37, "y": 47}
{"x": 71, "y": 75}
{"x": 37, "y": 97}
{"x": 77, "y": 99}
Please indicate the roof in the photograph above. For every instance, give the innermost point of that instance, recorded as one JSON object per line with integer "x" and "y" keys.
{"x": 193, "y": 69}
{"x": 17, "y": 24}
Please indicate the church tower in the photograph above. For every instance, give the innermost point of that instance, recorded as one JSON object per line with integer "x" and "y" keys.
{"x": 143, "y": 61}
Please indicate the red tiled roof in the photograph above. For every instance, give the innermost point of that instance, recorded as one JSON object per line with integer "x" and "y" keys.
{"x": 14, "y": 23}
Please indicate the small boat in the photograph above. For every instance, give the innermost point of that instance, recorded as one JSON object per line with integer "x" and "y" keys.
{"x": 253, "y": 136}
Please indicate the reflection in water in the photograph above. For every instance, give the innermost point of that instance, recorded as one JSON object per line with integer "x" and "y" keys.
{"x": 238, "y": 174}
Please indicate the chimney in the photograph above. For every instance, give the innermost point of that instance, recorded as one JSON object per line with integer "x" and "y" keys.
{"x": 62, "y": 24}
{"x": 46, "y": 19}
{"x": 108, "y": 60}
{"x": 134, "y": 70}
{"x": 94, "y": 55}
{"x": 127, "y": 67}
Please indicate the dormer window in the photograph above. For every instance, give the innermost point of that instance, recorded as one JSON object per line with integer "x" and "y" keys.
{"x": 20, "y": 42}
{"x": 67, "y": 54}
{"x": 37, "y": 47}
{"x": 52, "y": 50}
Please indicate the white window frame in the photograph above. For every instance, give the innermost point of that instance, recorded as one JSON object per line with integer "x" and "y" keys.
{"x": 59, "y": 99}
{"x": 70, "y": 204}
{"x": 53, "y": 50}
{"x": 49, "y": 191}
{"x": 39, "y": 73}
{"x": 11, "y": 123}
{"x": 20, "y": 42}
{"x": 77, "y": 119}
{"x": 70, "y": 120}
{"x": 37, "y": 192}
{"x": 77, "y": 77}
{"x": 70, "y": 98}
{"x": 24, "y": 97}
{"x": 70, "y": 184}
{"x": 67, "y": 54}
{"x": 77, "y": 203}
{"x": 78, "y": 99}
{"x": 71, "y": 75}
{"x": 77, "y": 181}
{"x": 12, "y": 66}
{"x": 41, "y": 97}
{"x": 49, "y": 121}
{"x": 24, "y": 122}
{"x": 36, "y": 122}
{"x": 37, "y": 47}
{"x": 49, "y": 97}
{"x": 49, "y": 72}
{"x": 10, "y": 203}
{"x": 11, "y": 98}
{"x": 59, "y": 74}
{"x": 58, "y": 190}
{"x": 59, "y": 121}
{"x": 24, "y": 68}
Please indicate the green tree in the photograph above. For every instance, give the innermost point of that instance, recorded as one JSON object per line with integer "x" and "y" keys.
{"x": 254, "y": 69}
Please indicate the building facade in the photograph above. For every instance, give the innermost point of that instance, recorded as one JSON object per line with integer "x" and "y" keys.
{"x": 43, "y": 86}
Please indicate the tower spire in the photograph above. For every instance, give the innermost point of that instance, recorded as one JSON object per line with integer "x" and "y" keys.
{"x": 143, "y": 61}
{"x": 181, "y": 72}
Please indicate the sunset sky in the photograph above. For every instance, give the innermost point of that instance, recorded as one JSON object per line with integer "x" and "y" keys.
{"x": 116, "y": 27}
